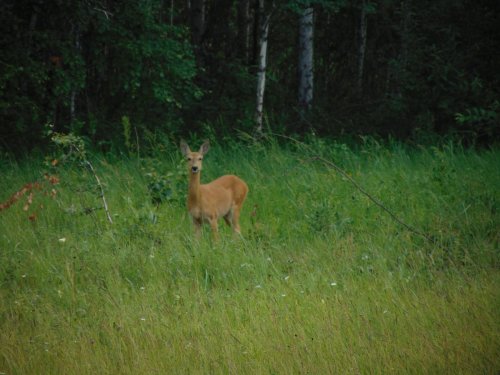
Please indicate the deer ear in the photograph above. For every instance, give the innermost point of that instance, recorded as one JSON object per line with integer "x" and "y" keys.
{"x": 205, "y": 147}
{"x": 184, "y": 148}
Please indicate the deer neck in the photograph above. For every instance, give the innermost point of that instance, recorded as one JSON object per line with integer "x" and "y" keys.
{"x": 194, "y": 191}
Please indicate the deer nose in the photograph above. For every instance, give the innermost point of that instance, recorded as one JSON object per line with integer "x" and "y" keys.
{"x": 194, "y": 169}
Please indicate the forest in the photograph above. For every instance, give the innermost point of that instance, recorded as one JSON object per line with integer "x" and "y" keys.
{"x": 351, "y": 147}
{"x": 330, "y": 67}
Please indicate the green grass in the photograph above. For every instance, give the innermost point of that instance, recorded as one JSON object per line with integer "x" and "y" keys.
{"x": 323, "y": 281}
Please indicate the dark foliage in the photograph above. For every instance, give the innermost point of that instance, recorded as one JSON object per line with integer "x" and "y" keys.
{"x": 84, "y": 65}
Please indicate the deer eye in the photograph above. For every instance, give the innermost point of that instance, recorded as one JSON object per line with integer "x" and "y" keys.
{"x": 189, "y": 159}
{"x": 200, "y": 158}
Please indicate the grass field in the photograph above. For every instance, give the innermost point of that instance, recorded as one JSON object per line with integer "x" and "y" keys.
{"x": 323, "y": 282}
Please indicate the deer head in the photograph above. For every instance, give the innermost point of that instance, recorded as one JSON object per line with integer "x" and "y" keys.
{"x": 194, "y": 159}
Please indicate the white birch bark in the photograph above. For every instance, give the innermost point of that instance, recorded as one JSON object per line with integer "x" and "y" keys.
{"x": 306, "y": 62}
{"x": 261, "y": 73}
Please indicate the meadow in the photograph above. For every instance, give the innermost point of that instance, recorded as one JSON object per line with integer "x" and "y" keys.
{"x": 322, "y": 282}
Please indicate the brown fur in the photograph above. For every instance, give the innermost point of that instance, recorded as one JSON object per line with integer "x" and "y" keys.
{"x": 223, "y": 197}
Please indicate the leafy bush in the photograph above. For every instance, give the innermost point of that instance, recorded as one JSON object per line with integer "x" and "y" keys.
{"x": 166, "y": 187}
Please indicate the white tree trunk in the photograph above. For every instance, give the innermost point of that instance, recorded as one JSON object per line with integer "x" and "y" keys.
{"x": 261, "y": 73}
{"x": 306, "y": 62}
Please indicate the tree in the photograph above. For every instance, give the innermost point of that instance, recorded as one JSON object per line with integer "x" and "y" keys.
{"x": 83, "y": 65}
{"x": 262, "y": 65}
{"x": 386, "y": 67}
{"x": 362, "y": 45}
{"x": 305, "y": 64}
{"x": 198, "y": 23}
{"x": 244, "y": 30}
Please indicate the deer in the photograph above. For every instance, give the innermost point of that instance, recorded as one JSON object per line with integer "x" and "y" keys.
{"x": 207, "y": 203}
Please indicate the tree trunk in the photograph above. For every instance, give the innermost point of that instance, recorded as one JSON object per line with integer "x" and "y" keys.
{"x": 261, "y": 73}
{"x": 306, "y": 44}
{"x": 405, "y": 32}
{"x": 197, "y": 19}
{"x": 72, "y": 110}
{"x": 397, "y": 75}
{"x": 171, "y": 12}
{"x": 258, "y": 11}
{"x": 32, "y": 26}
{"x": 362, "y": 47}
{"x": 243, "y": 29}
{"x": 197, "y": 27}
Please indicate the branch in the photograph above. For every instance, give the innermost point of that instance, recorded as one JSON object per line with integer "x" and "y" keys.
{"x": 106, "y": 13}
{"x": 373, "y": 199}
{"x": 361, "y": 189}
{"x": 83, "y": 158}
{"x": 103, "y": 197}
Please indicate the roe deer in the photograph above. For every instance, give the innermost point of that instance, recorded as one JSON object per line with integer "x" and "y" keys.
{"x": 222, "y": 197}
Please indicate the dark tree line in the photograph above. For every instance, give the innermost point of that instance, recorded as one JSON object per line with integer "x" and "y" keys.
{"x": 95, "y": 67}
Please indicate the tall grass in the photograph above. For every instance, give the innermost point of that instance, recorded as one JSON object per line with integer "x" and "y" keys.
{"x": 323, "y": 281}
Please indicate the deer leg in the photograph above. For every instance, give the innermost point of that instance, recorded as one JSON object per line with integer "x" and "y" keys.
{"x": 228, "y": 218}
{"x": 215, "y": 228}
{"x": 235, "y": 220}
{"x": 197, "y": 227}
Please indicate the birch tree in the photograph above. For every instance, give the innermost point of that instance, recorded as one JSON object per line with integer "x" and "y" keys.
{"x": 262, "y": 64}
{"x": 305, "y": 65}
